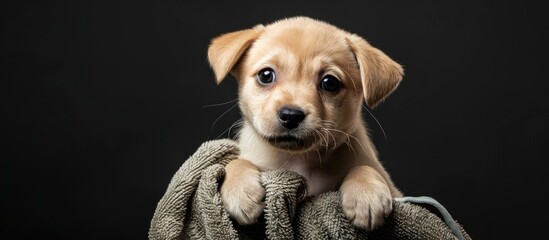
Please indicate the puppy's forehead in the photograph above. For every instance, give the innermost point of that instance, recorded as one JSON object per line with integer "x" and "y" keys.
{"x": 310, "y": 36}
{"x": 301, "y": 39}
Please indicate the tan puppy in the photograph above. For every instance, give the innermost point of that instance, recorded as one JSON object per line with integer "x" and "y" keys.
{"x": 301, "y": 87}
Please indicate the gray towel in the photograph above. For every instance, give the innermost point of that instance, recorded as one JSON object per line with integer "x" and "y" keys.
{"x": 191, "y": 208}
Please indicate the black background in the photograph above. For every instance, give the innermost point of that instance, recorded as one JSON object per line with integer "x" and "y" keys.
{"x": 102, "y": 102}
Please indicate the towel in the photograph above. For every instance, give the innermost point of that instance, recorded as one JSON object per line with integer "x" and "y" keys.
{"x": 191, "y": 208}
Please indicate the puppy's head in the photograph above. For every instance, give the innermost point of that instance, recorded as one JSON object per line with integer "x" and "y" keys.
{"x": 301, "y": 81}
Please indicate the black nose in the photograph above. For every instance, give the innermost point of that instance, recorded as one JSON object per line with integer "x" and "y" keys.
{"x": 290, "y": 117}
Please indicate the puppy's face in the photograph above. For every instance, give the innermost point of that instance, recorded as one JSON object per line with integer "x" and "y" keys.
{"x": 301, "y": 81}
{"x": 298, "y": 85}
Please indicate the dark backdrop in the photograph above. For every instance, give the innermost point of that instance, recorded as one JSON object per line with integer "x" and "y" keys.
{"x": 102, "y": 102}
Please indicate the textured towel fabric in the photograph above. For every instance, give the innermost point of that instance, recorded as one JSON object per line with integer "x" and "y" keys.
{"x": 191, "y": 208}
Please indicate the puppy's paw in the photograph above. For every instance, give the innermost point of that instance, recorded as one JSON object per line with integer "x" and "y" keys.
{"x": 242, "y": 194}
{"x": 366, "y": 204}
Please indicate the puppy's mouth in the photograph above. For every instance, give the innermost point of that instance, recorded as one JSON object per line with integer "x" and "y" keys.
{"x": 289, "y": 142}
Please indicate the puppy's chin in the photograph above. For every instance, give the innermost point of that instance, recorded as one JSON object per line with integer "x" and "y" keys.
{"x": 290, "y": 142}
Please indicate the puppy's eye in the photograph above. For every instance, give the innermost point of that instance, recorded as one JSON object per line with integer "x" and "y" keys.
{"x": 330, "y": 83}
{"x": 266, "y": 76}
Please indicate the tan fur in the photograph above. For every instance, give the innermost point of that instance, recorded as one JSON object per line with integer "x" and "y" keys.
{"x": 336, "y": 152}
{"x": 242, "y": 179}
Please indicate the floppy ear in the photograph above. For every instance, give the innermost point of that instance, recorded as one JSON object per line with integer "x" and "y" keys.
{"x": 380, "y": 75}
{"x": 225, "y": 50}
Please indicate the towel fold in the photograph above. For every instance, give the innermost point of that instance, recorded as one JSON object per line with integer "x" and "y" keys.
{"x": 191, "y": 208}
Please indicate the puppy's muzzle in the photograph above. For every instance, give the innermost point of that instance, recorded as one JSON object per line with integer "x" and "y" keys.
{"x": 290, "y": 117}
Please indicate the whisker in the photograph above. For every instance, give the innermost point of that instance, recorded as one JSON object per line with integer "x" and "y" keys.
{"x": 333, "y": 137}
{"x": 327, "y": 143}
{"x": 351, "y": 78}
{"x": 353, "y": 137}
{"x": 223, "y": 114}
{"x": 319, "y": 157}
{"x": 379, "y": 124}
{"x": 238, "y": 122}
{"x": 348, "y": 143}
{"x": 328, "y": 123}
{"x": 327, "y": 139}
{"x": 237, "y": 135}
{"x": 322, "y": 137}
{"x": 284, "y": 164}
{"x": 220, "y": 104}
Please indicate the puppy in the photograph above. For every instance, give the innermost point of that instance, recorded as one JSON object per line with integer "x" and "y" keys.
{"x": 301, "y": 87}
